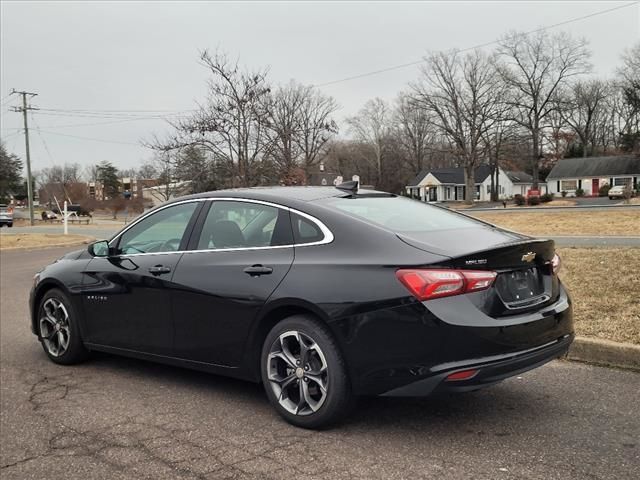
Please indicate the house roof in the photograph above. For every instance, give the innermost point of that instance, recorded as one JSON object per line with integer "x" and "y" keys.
{"x": 519, "y": 177}
{"x": 596, "y": 167}
{"x": 452, "y": 175}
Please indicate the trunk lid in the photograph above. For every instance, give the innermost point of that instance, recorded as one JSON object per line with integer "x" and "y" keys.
{"x": 525, "y": 278}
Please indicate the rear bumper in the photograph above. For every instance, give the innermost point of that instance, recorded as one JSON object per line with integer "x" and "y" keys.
{"x": 490, "y": 370}
{"x": 410, "y": 349}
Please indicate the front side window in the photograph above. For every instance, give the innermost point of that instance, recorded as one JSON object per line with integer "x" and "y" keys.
{"x": 231, "y": 224}
{"x": 567, "y": 185}
{"x": 160, "y": 232}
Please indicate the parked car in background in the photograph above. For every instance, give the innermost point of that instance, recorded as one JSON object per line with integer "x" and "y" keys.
{"x": 620, "y": 191}
{"x": 6, "y": 215}
{"x": 49, "y": 215}
{"x": 78, "y": 209}
{"x": 321, "y": 294}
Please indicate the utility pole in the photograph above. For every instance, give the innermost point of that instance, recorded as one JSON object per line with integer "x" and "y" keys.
{"x": 24, "y": 110}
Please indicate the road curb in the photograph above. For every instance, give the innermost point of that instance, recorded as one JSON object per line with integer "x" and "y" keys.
{"x": 605, "y": 352}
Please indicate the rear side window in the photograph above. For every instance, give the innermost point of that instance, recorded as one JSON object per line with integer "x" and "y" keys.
{"x": 401, "y": 215}
{"x": 304, "y": 230}
{"x": 232, "y": 224}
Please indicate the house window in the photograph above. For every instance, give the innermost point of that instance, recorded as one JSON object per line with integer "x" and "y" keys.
{"x": 566, "y": 185}
{"x": 622, "y": 182}
{"x": 477, "y": 195}
{"x": 447, "y": 193}
{"x": 488, "y": 189}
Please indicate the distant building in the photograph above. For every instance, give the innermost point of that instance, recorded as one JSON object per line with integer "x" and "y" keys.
{"x": 159, "y": 193}
{"x": 447, "y": 184}
{"x": 130, "y": 187}
{"x": 322, "y": 178}
{"x": 591, "y": 173}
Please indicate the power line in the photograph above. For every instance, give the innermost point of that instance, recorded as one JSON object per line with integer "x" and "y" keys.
{"x": 97, "y": 115}
{"x": 97, "y": 110}
{"x": 481, "y": 45}
{"x": 90, "y": 139}
{"x": 113, "y": 114}
{"x": 100, "y": 123}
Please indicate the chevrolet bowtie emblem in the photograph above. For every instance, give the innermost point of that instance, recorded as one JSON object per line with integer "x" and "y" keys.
{"x": 528, "y": 257}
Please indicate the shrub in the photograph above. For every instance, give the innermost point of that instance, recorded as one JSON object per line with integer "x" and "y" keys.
{"x": 564, "y": 193}
{"x": 579, "y": 192}
{"x": 533, "y": 200}
{"x": 519, "y": 199}
{"x": 603, "y": 191}
{"x": 547, "y": 197}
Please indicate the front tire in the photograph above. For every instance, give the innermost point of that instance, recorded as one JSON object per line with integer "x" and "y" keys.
{"x": 304, "y": 373}
{"x": 58, "y": 329}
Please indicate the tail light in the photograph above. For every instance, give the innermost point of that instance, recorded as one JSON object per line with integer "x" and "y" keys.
{"x": 556, "y": 264}
{"x": 426, "y": 284}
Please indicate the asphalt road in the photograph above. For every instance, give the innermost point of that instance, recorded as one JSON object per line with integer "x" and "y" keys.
{"x": 117, "y": 418}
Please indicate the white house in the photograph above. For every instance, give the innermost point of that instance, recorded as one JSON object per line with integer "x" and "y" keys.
{"x": 590, "y": 173}
{"x": 447, "y": 184}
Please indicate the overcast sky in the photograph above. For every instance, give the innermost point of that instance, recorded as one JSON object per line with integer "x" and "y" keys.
{"x": 143, "y": 56}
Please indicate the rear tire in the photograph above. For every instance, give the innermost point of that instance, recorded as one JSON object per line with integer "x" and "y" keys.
{"x": 304, "y": 374}
{"x": 58, "y": 331}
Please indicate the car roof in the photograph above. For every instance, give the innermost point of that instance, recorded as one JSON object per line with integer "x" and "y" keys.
{"x": 299, "y": 194}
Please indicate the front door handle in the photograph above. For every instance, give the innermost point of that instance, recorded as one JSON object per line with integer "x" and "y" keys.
{"x": 257, "y": 270}
{"x": 159, "y": 270}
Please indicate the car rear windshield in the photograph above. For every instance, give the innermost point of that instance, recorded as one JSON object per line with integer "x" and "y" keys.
{"x": 400, "y": 214}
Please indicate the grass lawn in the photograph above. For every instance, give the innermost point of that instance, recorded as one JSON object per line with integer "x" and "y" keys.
{"x": 584, "y": 222}
{"x": 11, "y": 241}
{"x": 604, "y": 284}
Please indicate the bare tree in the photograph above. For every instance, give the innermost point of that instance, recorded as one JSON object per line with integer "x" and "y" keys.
{"x": 284, "y": 106}
{"x": 464, "y": 94}
{"x": 316, "y": 126}
{"x": 534, "y": 66}
{"x": 582, "y": 110}
{"x": 164, "y": 163}
{"x": 629, "y": 85}
{"x": 414, "y": 131}
{"x": 495, "y": 139}
{"x": 371, "y": 127}
{"x": 231, "y": 124}
{"x": 147, "y": 171}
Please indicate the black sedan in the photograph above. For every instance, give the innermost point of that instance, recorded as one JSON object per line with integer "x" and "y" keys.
{"x": 322, "y": 294}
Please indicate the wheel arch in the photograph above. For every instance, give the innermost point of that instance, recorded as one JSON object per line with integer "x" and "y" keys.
{"x": 43, "y": 287}
{"x": 270, "y": 316}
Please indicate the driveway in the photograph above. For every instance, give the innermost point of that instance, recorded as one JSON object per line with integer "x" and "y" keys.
{"x": 116, "y": 418}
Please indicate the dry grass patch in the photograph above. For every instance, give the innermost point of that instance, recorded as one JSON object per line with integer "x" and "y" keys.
{"x": 11, "y": 241}
{"x": 604, "y": 284}
{"x": 583, "y": 222}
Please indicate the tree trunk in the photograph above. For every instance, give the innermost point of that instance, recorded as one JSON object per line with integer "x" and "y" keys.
{"x": 469, "y": 181}
{"x": 534, "y": 158}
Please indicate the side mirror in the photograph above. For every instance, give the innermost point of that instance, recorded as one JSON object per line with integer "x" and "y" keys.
{"x": 99, "y": 249}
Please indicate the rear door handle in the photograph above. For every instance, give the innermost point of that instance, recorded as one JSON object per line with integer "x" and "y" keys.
{"x": 257, "y": 270}
{"x": 159, "y": 269}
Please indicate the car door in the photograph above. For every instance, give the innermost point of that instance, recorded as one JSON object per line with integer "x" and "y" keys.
{"x": 241, "y": 251}
{"x": 126, "y": 296}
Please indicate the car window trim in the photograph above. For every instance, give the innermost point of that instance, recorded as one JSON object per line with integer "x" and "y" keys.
{"x": 328, "y": 235}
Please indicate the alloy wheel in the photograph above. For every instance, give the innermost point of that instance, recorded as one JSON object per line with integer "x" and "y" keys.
{"x": 54, "y": 327}
{"x": 298, "y": 374}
